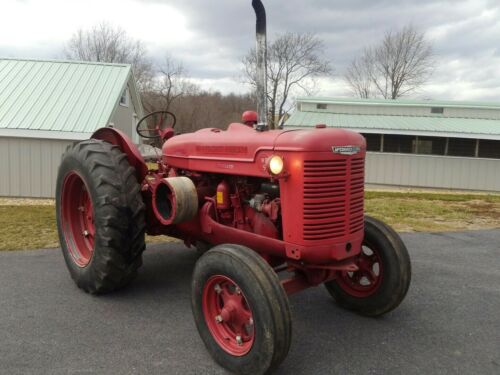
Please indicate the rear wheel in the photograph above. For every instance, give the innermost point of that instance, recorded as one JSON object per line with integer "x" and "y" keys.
{"x": 100, "y": 216}
{"x": 384, "y": 274}
{"x": 241, "y": 310}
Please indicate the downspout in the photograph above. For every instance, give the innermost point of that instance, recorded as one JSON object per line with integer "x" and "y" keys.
{"x": 261, "y": 69}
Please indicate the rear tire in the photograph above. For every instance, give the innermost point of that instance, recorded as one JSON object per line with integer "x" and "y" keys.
{"x": 100, "y": 216}
{"x": 241, "y": 310}
{"x": 384, "y": 277}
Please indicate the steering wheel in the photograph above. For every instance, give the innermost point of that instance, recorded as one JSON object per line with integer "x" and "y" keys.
{"x": 145, "y": 129}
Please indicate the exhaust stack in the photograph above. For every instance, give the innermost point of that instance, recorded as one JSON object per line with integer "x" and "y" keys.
{"x": 261, "y": 69}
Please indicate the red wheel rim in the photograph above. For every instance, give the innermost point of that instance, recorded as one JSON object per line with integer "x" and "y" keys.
{"x": 77, "y": 219}
{"x": 228, "y": 315}
{"x": 367, "y": 279}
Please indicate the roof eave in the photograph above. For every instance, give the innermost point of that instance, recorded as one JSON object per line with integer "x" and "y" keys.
{"x": 411, "y": 132}
{"x": 44, "y": 134}
{"x": 396, "y": 103}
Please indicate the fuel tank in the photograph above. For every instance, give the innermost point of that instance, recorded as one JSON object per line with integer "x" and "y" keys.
{"x": 241, "y": 150}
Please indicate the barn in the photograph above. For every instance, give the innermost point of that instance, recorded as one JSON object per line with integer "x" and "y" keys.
{"x": 46, "y": 105}
{"x": 431, "y": 144}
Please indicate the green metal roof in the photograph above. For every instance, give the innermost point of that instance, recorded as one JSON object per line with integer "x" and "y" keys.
{"x": 401, "y": 102}
{"x": 437, "y": 126}
{"x": 59, "y": 96}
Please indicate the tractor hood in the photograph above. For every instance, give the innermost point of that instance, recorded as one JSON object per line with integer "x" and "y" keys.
{"x": 237, "y": 142}
{"x": 317, "y": 140}
{"x": 243, "y": 150}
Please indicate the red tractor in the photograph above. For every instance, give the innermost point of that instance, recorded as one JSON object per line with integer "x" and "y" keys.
{"x": 273, "y": 212}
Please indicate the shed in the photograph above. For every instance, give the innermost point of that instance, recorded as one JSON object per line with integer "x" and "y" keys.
{"x": 428, "y": 143}
{"x": 46, "y": 105}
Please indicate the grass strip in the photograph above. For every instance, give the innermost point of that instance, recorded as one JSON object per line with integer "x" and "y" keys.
{"x": 33, "y": 225}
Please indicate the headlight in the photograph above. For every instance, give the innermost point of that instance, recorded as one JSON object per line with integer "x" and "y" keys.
{"x": 275, "y": 165}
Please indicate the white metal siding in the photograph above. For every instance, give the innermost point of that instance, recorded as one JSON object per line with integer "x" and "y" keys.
{"x": 123, "y": 118}
{"x": 28, "y": 167}
{"x": 433, "y": 171}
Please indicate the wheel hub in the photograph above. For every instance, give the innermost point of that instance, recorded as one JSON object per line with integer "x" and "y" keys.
{"x": 77, "y": 215}
{"x": 228, "y": 315}
{"x": 367, "y": 279}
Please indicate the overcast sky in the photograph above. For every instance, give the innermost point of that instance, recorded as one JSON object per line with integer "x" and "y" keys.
{"x": 211, "y": 36}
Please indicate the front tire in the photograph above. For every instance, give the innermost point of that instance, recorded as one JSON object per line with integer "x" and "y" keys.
{"x": 384, "y": 274}
{"x": 241, "y": 310}
{"x": 100, "y": 216}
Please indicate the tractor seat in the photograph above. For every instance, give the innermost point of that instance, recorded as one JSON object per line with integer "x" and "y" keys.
{"x": 149, "y": 152}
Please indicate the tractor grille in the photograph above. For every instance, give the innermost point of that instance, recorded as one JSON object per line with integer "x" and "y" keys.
{"x": 333, "y": 198}
{"x": 356, "y": 196}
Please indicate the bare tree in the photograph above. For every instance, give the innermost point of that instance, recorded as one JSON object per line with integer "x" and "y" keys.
{"x": 294, "y": 62}
{"x": 359, "y": 75}
{"x": 104, "y": 42}
{"x": 398, "y": 66}
{"x": 171, "y": 82}
{"x": 210, "y": 109}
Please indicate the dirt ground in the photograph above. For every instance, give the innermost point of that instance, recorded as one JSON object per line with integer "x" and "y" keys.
{"x": 25, "y": 202}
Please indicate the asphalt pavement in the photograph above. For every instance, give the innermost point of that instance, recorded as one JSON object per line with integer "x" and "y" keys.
{"x": 449, "y": 322}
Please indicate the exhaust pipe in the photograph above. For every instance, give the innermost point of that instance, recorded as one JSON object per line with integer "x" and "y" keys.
{"x": 261, "y": 69}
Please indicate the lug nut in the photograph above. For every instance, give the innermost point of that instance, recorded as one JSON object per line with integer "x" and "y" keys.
{"x": 217, "y": 288}
{"x": 238, "y": 290}
{"x": 219, "y": 319}
{"x": 239, "y": 341}
{"x": 85, "y": 233}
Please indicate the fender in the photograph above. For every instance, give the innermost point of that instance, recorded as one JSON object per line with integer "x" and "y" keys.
{"x": 120, "y": 139}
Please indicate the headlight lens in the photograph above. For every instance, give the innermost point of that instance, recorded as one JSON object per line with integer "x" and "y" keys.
{"x": 276, "y": 165}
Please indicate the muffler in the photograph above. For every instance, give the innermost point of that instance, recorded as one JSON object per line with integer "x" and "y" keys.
{"x": 261, "y": 68}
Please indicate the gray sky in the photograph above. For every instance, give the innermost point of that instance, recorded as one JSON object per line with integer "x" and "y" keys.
{"x": 211, "y": 36}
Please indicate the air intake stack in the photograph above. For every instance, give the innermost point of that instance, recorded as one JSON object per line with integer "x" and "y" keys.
{"x": 261, "y": 68}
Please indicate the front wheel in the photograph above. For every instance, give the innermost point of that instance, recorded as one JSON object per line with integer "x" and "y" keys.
{"x": 384, "y": 274}
{"x": 241, "y": 310}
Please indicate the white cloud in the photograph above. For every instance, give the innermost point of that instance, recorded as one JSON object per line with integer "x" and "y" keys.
{"x": 223, "y": 85}
{"x": 31, "y": 23}
{"x": 211, "y": 36}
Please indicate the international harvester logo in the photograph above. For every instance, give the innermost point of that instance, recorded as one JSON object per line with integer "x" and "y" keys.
{"x": 346, "y": 150}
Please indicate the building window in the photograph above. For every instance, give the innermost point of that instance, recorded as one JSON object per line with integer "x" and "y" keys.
{"x": 124, "y": 98}
{"x": 398, "y": 143}
{"x": 373, "y": 142}
{"x": 321, "y": 106}
{"x": 430, "y": 145}
{"x": 437, "y": 110}
{"x": 489, "y": 149}
{"x": 462, "y": 147}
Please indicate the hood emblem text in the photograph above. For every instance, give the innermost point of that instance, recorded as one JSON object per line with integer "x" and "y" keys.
{"x": 346, "y": 150}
